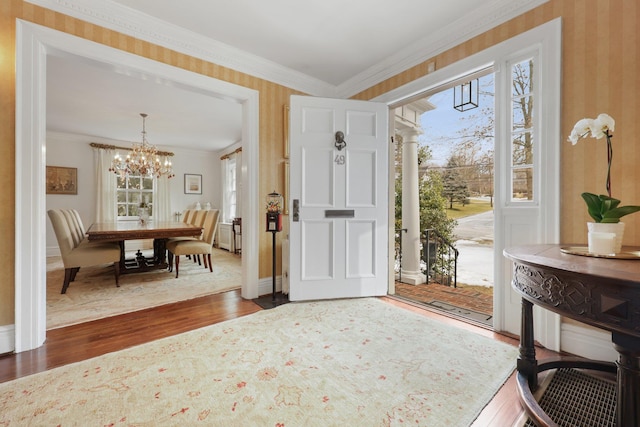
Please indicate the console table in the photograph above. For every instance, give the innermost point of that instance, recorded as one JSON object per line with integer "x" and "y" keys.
{"x": 596, "y": 291}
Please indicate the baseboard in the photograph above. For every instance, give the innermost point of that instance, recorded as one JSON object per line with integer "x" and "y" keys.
{"x": 587, "y": 342}
{"x": 53, "y": 251}
{"x": 265, "y": 285}
{"x": 7, "y": 339}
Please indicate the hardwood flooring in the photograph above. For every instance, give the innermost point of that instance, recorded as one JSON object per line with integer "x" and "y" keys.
{"x": 79, "y": 342}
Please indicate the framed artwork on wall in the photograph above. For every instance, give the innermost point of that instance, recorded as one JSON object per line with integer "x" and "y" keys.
{"x": 61, "y": 180}
{"x": 192, "y": 184}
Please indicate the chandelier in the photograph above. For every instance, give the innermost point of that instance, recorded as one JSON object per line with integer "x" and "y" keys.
{"x": 142, "y": 161}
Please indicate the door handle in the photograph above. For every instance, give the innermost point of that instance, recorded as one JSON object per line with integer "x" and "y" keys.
{"x": 296, "y": 210}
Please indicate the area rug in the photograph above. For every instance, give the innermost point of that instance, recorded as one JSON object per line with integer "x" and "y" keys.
{"x": 94, "y": 295}
{"x": 357, "y": 362}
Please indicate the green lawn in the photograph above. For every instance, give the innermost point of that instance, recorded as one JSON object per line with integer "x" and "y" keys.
{"x": 474, "y": 207}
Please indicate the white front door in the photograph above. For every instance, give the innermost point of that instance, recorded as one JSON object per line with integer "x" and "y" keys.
{"x": 338, "y": 198}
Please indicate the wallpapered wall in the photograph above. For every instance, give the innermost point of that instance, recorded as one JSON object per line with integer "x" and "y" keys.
{"x": 600, "y": 62}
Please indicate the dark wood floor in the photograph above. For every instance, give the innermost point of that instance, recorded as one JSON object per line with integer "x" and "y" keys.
{"x": 91, "y": 339}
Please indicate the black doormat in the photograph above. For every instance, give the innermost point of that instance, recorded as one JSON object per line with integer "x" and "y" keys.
{"x": 270, "y": 301}
{"x": 576, "y": 399}
{"x": 463, "y": 312}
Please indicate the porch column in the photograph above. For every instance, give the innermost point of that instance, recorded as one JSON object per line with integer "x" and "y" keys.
{"x": 410, "y": 209}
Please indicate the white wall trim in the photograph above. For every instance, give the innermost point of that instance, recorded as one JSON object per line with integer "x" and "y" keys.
{"x": 33, "y": 43}
{"x": 7, "y": 339}
{"x": 588, "y": 342}
{"x": 266, "y": 285}
{"x": 128, "y": 21}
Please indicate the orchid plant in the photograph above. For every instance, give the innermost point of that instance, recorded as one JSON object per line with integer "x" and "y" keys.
{"x": 601, "y": 208}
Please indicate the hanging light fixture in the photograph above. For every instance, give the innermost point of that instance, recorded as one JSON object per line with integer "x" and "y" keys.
{"x": 465, "y": 96}
{"x": 143, "y": 160}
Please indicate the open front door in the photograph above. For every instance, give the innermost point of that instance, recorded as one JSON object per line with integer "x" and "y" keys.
{"x": 338, "y": 198}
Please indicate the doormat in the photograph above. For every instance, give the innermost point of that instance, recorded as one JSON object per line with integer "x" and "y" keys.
{"x": 463, "y": 312}
{"x": 576, "y": 399}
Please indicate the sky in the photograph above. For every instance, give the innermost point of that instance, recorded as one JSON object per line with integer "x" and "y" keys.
{"x": 444, "y": 122}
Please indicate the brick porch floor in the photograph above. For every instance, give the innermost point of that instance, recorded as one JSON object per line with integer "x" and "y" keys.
{"x": 477, "y": 300}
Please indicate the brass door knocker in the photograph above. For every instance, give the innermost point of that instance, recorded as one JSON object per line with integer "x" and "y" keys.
{"x": 340, "y": 142}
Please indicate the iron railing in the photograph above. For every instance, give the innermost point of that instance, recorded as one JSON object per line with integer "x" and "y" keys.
{"x": 440, "y": 258}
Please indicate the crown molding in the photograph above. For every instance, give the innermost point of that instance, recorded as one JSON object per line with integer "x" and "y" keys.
{"x": 117, "y": 17}
{"x": 458, "y": 32}
{"x": 125, "y": 20}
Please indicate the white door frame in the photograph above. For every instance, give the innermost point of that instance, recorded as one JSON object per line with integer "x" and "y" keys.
{"x": 33, "y": 42}
{"x": 547, "y": 38}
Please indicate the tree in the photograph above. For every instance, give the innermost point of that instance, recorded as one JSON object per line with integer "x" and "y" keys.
{"x": 432, "y": 204}
{"x": 454, "y": 188}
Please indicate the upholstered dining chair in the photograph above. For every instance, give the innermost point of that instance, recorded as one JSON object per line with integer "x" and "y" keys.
{"x": 195, "y": 247}
{"x": 77, "y": 252}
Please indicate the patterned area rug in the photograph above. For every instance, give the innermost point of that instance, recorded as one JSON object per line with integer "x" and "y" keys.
{"x": 357, "y": 362}
{"x": 94, "y": 295}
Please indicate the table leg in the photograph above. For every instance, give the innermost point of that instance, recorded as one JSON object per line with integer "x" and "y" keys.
{"x": 628, "y": 397}
{"x": 160, "y": 251}
{"x": 527, "y": 363}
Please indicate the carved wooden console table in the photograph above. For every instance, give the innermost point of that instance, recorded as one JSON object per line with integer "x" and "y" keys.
{"x": 600, "y": 292}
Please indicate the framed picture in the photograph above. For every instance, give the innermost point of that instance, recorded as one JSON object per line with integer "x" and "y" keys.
{"x": 62, "y": 180}
{"x": 192, "y": 184}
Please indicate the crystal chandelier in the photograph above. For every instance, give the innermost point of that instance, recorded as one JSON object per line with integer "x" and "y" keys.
{"x": 142, "y": 161}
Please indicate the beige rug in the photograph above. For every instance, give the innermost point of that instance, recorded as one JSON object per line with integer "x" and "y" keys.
{"x": 94, "y": 295}
{"x": 358, "y": 362}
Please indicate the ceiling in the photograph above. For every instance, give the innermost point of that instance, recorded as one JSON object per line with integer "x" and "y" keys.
{"x": 321, "y": 47}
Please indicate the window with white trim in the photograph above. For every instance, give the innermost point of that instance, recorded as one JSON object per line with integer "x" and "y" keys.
{"x": 131, "y": 193}
{"x": 523, "y": 136}
{"x": 230, "y": 189}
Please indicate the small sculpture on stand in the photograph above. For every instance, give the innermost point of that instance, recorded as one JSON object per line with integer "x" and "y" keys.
{"x": 273, "y": 226}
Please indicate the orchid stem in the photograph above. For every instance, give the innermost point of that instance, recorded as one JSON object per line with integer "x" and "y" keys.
{"x": 609, "y": 158}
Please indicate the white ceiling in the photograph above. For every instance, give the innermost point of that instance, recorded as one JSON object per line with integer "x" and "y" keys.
{"x": 321, "y": 47}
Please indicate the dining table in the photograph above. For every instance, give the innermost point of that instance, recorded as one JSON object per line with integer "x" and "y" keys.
{"x": 159, "y": 231}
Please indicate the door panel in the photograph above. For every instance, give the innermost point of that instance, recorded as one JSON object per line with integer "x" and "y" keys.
{"x": 338, "y": 240}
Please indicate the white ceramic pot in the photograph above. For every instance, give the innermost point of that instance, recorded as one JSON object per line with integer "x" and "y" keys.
{"x": 605, "y": 238}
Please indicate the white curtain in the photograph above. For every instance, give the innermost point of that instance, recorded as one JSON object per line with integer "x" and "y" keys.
{"x": 106, "y": 181}
{"x": 162, "y": 199}
{"x": 223, "y": 178}
{"x": 239, "y": 183}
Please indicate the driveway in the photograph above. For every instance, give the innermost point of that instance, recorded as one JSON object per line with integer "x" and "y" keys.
{"x": 475, "y": 246}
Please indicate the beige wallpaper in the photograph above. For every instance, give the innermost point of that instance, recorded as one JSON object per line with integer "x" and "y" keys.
{"x": 600, "y": 63}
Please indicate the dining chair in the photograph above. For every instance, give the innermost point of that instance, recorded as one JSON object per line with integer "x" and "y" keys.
{"x": 77, "y": 253}
{"x": 203, "y": 246}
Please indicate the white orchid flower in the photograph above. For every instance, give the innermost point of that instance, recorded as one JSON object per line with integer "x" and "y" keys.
{"x": 601, "y": 125}
{"x": 580, "y": 130}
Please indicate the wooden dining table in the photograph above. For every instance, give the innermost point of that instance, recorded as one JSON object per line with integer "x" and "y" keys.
{"x": 159, "y": 231}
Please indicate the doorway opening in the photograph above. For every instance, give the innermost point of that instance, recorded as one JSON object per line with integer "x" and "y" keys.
{"x": 455, "y": 189}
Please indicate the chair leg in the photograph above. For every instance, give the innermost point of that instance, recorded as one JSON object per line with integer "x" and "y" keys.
{"x": 208, "y": 256}
{"x": 177, "y": 264}
{"x": 170, "y": 260}
{"x": 116, "y": 270}
{"x": 68, "y": 272}
{"x": 204, "y": 259}
{"x": 74, "y": 271}
{"x": 199, "y": 262}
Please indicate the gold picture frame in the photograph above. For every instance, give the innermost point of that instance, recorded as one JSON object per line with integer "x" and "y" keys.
{"x": 285, "y": 131}
{"x": 61, "y": 180}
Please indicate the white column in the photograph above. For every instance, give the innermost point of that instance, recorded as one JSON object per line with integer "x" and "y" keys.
{"x": 410, "y": 209}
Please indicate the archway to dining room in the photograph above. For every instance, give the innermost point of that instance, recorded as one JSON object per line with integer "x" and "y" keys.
{"x": 30, "y": 325}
